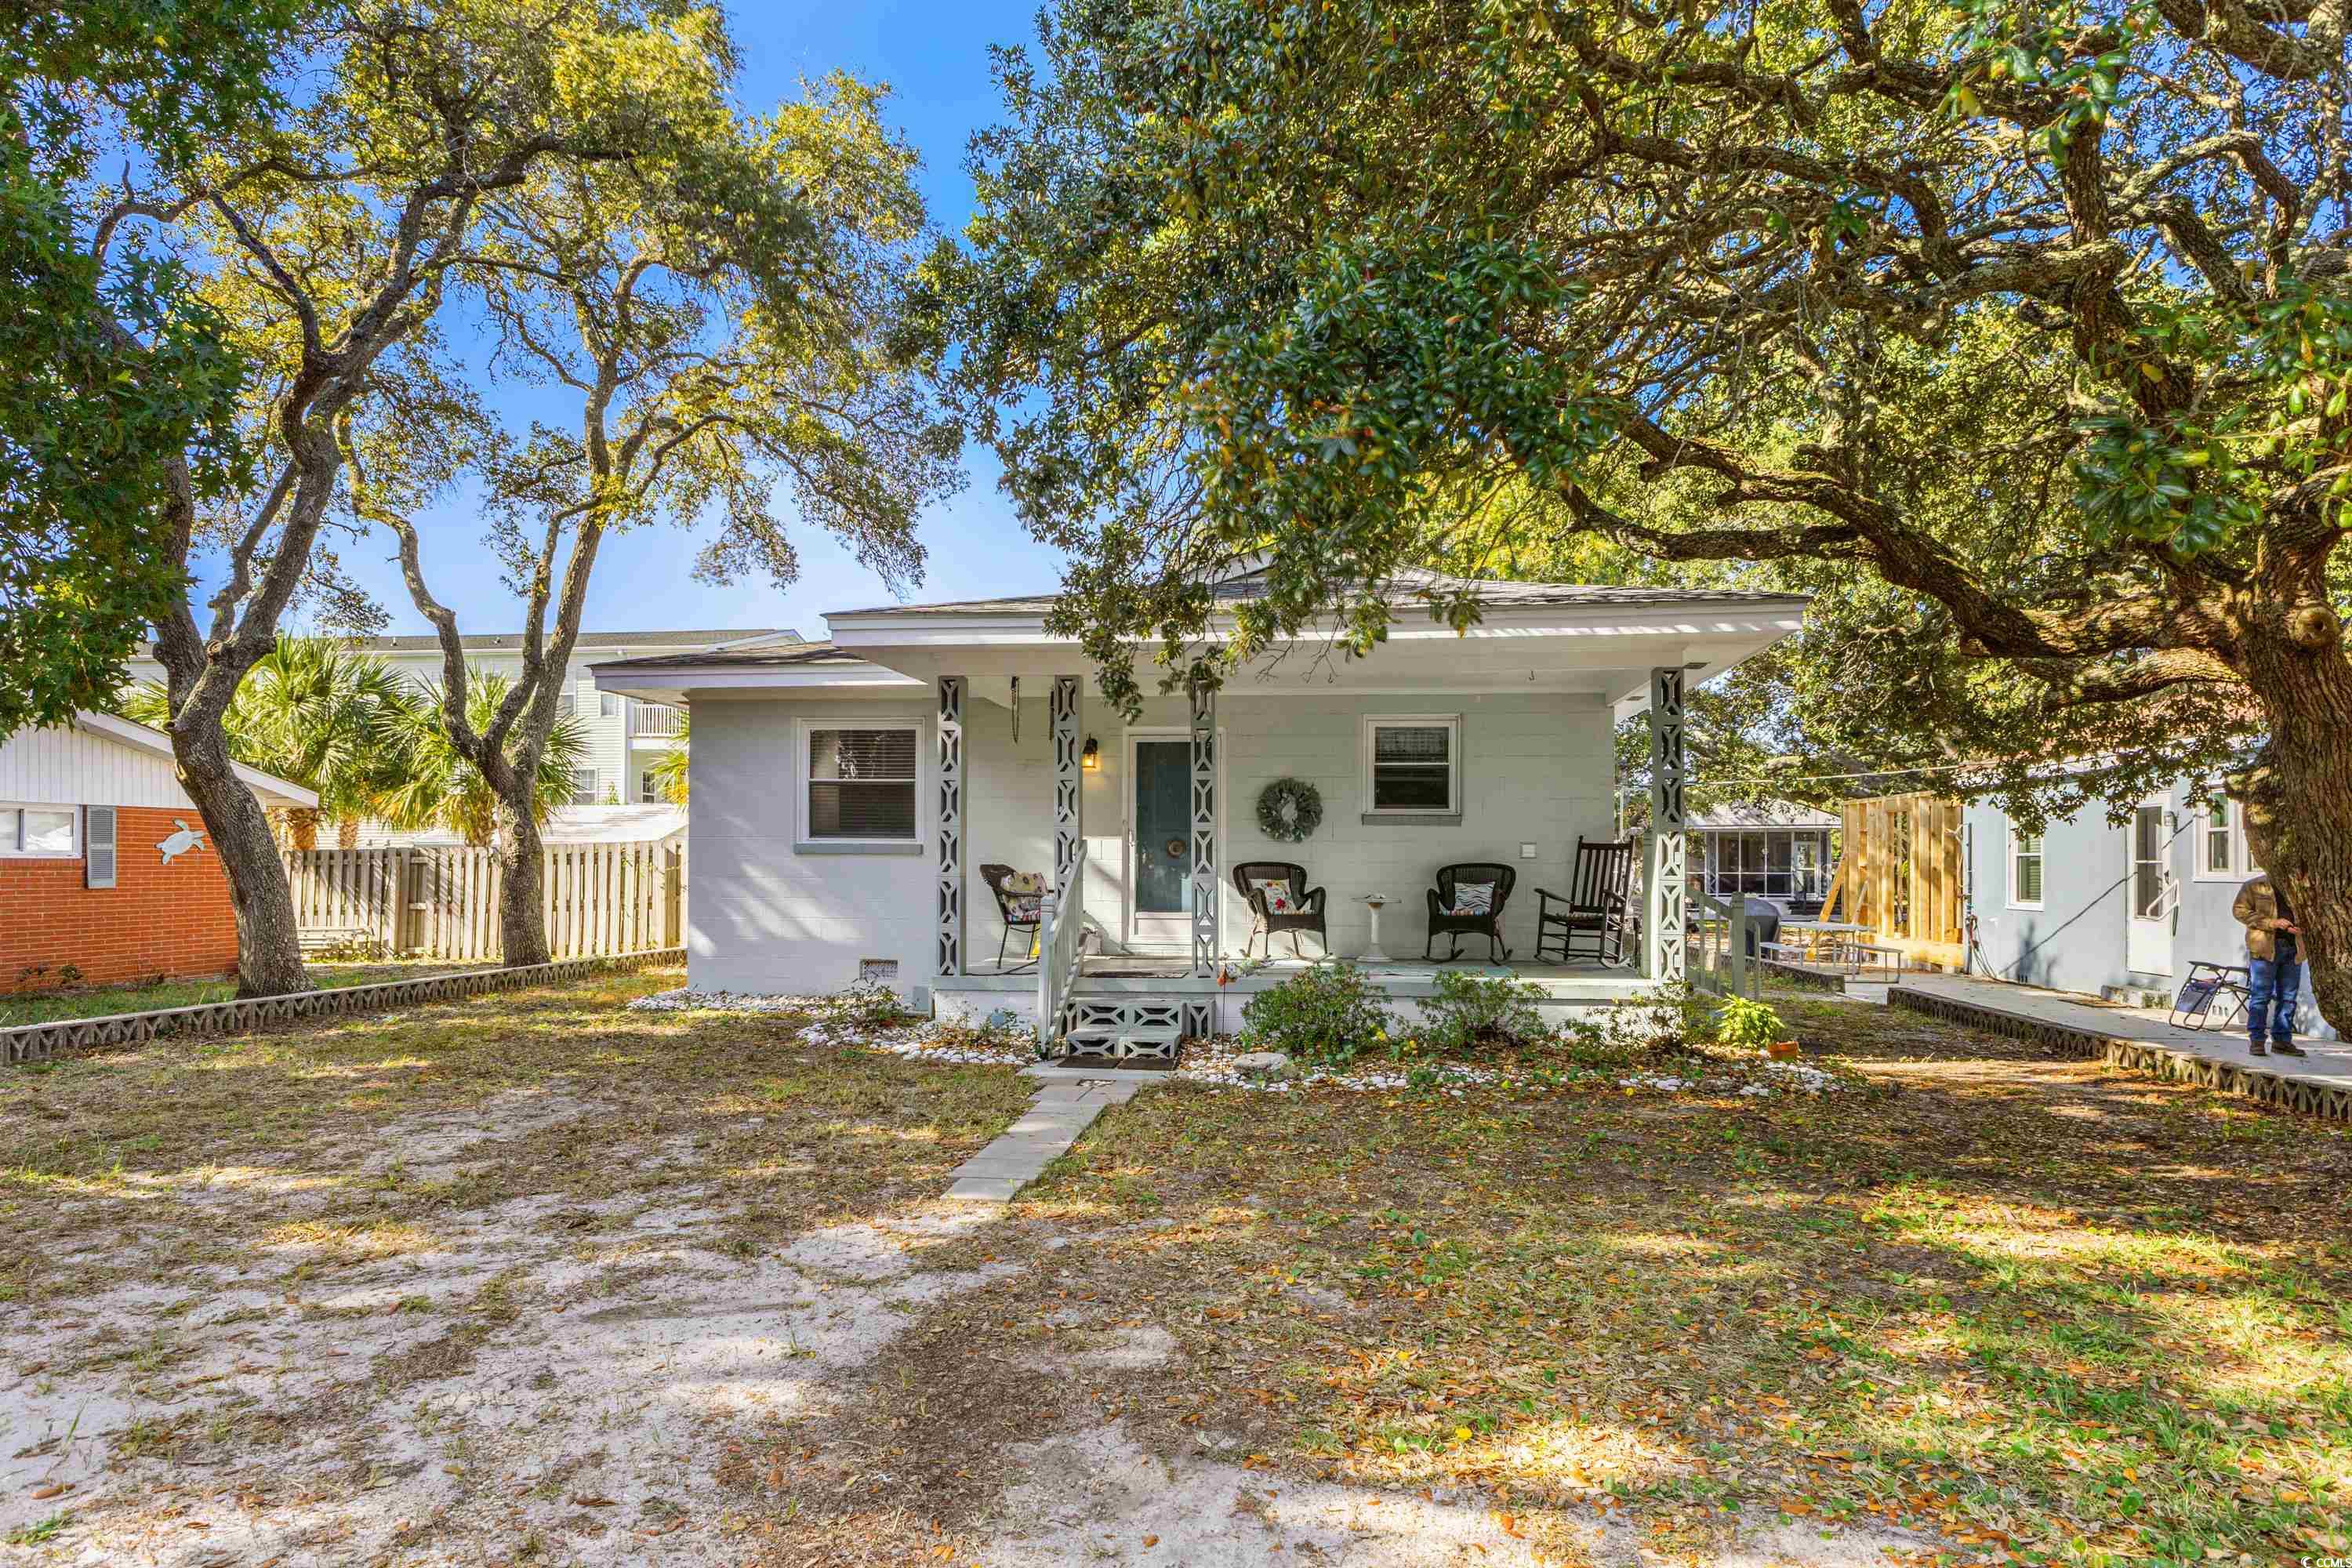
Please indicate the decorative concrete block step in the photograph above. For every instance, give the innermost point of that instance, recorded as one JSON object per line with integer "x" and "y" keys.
{"x": 1065, "y": 1108}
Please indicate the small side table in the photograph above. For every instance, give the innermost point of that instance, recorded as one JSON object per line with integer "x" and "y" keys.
{"x": 1375, "y": 903}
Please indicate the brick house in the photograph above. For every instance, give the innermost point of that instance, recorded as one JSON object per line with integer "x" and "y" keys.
{"x": 107, "y": 874}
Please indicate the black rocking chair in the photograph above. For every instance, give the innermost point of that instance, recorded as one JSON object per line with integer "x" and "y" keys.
{"x": 1597, "y": 909}
{"x": 1486, "y": 923}
{"x": 1305, "y": 913}
{"x": 1023, "y": 912}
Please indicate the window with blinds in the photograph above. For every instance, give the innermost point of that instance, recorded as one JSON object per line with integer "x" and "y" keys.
{"x": 861, "y": 784}
{"x": 1412, "y": 763}
{"x": 2024, "y": 869}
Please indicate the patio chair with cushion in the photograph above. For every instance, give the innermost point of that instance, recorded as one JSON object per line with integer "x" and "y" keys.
{"x": 1281, "y": 899}
{"x": 1468, "y": 901}
{"x": 1596, "y": 912}
{"x": 1020, "y": 902}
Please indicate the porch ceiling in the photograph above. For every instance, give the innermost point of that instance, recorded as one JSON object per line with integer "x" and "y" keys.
{"x": 1612, "y": 662}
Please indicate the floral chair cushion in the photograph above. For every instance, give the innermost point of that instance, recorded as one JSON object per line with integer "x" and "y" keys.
{"x": 1277, "y": 891}
{"x": 1473, "y": 899}
{"x": 1024, "y": 895}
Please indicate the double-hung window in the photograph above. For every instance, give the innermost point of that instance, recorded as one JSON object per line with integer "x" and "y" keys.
{"x": 1412, "y": 765}
{"x": 860, "y": 783}
{"x": 47, "y": 832}
{"x": 584, "y": 786}
{"x": 2222, "y": 853}
{"x": 2024, "y": 868}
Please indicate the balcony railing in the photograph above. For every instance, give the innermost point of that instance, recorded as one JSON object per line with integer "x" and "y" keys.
{"x": 655, "y": 718}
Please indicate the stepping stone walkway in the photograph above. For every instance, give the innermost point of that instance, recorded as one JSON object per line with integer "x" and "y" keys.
{"x": 1065, "y": 1108}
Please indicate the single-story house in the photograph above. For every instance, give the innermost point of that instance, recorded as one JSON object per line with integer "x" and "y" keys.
{"x": 106, "y": 871}
{"x": 2090, "y": 906}
{"x": 857, "y": 799}
{"x": 1773, "y": 849}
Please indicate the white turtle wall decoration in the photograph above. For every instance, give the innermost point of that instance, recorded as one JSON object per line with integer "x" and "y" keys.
{"x": 180, "y": 843}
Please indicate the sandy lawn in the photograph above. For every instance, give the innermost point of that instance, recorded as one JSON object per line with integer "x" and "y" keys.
{"x": 533, "y": 1279}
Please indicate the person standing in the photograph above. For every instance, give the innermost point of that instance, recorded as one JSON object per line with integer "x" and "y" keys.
{"x": 2274, "y": 965}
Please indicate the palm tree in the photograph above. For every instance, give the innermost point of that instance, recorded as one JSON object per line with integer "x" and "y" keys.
{"x": 318, "y": 712}
{"x": 669, "y": 769}
{"x": 439, "y": 788}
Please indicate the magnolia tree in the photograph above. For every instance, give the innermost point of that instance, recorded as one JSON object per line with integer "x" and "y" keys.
{"x": 725, "y": 326}
{"x": 326, "y": 238}
{"x": 2020, "y": 327}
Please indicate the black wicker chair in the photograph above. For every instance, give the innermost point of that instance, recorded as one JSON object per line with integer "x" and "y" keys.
{"x": 1305, "y": 913}
{"x": 1023, "y": 913}
{"x": 1597, "y": 909}
{"x": 1487, "y": 923}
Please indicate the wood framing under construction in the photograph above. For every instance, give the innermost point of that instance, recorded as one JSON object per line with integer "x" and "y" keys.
{"x": 1900, "y": 872}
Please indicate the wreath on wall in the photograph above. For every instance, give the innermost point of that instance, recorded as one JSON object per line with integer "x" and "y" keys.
{"x": 1289, "y": 810}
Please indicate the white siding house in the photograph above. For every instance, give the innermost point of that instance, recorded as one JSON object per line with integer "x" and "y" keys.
{"x": 850, "y": 796}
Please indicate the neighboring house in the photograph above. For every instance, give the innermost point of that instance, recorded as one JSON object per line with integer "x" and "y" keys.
{"x": 1773, "y": 849}
{"x": 2092, "y": 907}
{"x": 106, "y": 871}
{"x": 625, "y": 736}
{"x": 847, "y": 793}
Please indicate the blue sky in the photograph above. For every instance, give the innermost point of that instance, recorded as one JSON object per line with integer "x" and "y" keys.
{"x": 934, "y": 56}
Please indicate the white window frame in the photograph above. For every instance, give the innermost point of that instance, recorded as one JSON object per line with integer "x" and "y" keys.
{"x": 594, "y": 791}
{"x": 11, "y": 831}
{"x": 2041, "y": 854}
{"x": 806, "y": 843}
{"x": 1452, "y": 723}
{"x": 2241, "y": 867}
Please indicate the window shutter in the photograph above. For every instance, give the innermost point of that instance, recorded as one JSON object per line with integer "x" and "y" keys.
{"x": 97, "y": 846}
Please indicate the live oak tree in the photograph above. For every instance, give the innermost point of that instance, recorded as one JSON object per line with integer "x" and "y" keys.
{"x": 114, "y": 363}
{"x": 325, "y": 239}
{"x": 2020, "y": 327}
{"x": 728, "y": 322}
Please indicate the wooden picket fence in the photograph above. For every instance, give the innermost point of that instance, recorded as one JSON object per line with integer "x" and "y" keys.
{"x": 599, "y": 899}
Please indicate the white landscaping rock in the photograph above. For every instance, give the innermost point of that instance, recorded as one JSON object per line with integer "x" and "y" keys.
{"x": 1263, "y": 1065}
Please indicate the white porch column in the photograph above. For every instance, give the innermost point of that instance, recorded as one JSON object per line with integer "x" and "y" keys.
{"x": 1663, "y": 955}
{"x": 1069, "y": 793}
{"x": 950, "y": 807}
{"x": 1205, "y": 859}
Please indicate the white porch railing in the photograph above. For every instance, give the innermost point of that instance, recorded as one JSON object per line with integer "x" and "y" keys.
{"x": 1718, "y": 957}
{"x": 1060, "y": 923}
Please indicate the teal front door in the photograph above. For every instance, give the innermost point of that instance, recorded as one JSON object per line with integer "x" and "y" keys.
{"x": 1162, "y": 838}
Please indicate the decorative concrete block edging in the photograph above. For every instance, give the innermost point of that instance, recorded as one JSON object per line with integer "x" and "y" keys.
{"x": 46, "y": 1042}
{"x": 2269, "y": 1087}
{"x": 1800, "y": 975}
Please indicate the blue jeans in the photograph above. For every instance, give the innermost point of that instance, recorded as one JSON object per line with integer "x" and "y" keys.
{"x": 2271, "y": 987}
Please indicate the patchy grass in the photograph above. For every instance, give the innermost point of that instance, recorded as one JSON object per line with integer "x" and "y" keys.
{"x": 99, "y": 1001}
{"x": 2043, "y": 1310}
{"x": 350, "y": 1285}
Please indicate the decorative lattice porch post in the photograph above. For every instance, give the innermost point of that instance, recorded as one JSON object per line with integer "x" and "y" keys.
{"x": 1069, "y": 784}
{"x": 1662, "y": 942}
{"x": 1204, "y": 830}
{"x": 951, "y": 786}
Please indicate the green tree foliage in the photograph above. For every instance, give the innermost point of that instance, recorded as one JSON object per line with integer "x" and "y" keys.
{"x": 437, "y": 786}
{"x": 327, "y": 239}
{"x": 728, "y": 322}
{"x": 2020, "y": 327}
{"x": 318, "y": 714}
{"x": 115, "y": 364}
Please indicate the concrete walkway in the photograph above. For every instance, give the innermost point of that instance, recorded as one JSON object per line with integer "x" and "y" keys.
{"x": 1065, "y": 1108}
{"x": 2318, "y": 1084}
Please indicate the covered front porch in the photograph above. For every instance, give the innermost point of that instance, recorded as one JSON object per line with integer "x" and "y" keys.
{"x": 1134, "y": 926}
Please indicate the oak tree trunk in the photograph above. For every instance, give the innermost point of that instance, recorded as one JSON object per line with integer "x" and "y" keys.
{"x": 522, "y": 899}
{"x": 2297, "y": 793}
{"x": 268, "y": 952}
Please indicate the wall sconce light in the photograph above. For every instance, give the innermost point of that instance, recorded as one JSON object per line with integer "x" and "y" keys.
{"x": 1090, "y": 760}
